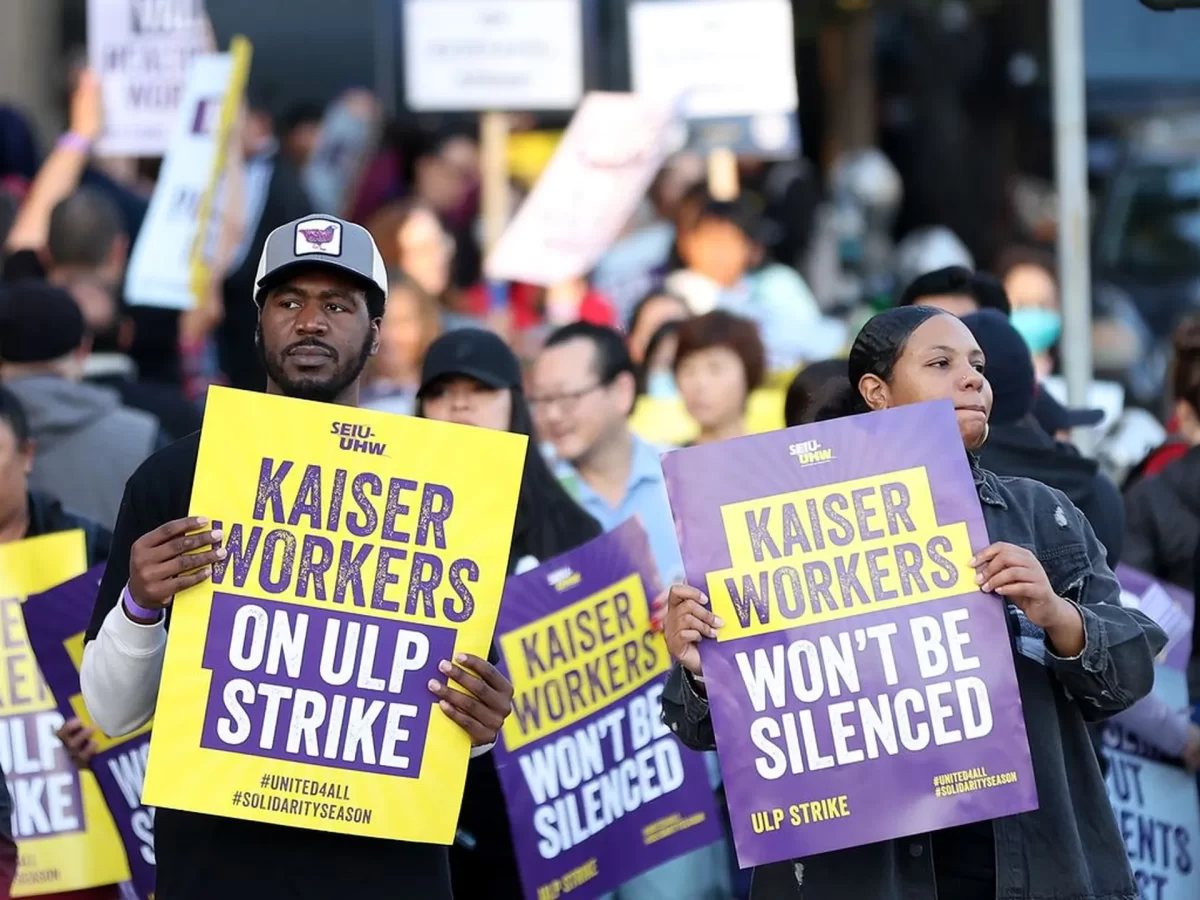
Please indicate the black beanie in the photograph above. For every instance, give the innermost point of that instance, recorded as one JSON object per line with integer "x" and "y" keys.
{"x": 1009, "y": 366}
{"x": 38, "y": 322}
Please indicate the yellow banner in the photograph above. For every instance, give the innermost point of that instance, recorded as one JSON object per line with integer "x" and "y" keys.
{"x": 363, "y": 549}
{"x": 66, "y": 838}
{"x": 836, "y": 551}
{"x": 567, "y": 665}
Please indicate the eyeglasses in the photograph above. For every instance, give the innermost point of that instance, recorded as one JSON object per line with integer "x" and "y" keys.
{"x": 567, "y": 403}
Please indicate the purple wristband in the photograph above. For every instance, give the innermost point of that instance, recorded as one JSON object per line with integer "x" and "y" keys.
{"x": 72, "y": 141}
{"x": 138, "y": 612}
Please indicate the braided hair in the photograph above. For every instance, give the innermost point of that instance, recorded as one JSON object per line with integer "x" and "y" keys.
{"x": 879, "y": 345}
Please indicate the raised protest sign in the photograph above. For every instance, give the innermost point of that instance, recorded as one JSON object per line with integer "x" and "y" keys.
{"x": 169, "y": 265}
{"x": 479, "y": 55}
{"x": 363, "y": 549}
{"x": 66, "y": 838}
{"x": 141, "y": 51}
{"x": 731, "y": 61}
{"x": 598, "y": 790}
{"x": 610, "y": 153}
{"x": 56, "y": 621}
{"x": 858, "y": 688}
{"x": 1155, "y": 802}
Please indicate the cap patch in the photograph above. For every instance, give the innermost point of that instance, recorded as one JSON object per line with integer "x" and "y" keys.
{"x": 319, "y": 236}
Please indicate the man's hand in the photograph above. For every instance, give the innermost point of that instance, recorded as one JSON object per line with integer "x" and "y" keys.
{"x": 87, "y": 107}
{"x": 77, "y": 738}
{"x": 482, "y": 712}
{"x": 164, "y": 562}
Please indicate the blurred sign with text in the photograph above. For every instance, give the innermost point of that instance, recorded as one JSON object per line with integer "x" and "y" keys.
{"x": 141, "y": 50}
{"x": 614, "y": 146}
{"x": 732, "y": 63}
{"x": 492, "y": 55}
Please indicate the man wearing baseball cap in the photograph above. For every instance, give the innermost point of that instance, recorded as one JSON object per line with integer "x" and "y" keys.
{"x": 320, "y": 293}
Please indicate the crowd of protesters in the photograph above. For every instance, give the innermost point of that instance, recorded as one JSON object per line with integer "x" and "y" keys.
{"x": 702, "y": 305}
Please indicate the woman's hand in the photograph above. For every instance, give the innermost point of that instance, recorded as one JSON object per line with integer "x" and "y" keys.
{"x": 688, "y": 620}
{"x": 1016, "y": 574}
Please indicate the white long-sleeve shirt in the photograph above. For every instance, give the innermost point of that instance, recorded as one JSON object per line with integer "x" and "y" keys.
{"x": 121, "y": 671}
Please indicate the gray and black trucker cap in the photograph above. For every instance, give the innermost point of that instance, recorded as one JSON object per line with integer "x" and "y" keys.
{"x": 320, "y": 241}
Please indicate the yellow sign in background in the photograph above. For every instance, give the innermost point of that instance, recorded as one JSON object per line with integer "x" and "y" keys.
{"x": 92, "y": 856}
{"x": 483, "y": 470}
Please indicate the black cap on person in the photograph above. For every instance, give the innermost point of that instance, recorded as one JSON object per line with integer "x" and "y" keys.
{"x": 475, "y": 353}
{"x": 38, "y": 322}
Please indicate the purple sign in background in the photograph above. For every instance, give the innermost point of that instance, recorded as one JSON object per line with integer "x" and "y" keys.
{"x": 826, "y": 805}
{"x": 308, "y": 657}
{"x": 52, "y": 619}
{"x": 612, "y": 795}
{"x": 1173, "y": 608}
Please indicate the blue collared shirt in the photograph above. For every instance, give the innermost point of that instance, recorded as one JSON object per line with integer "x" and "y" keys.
{"x": 645, "y": 497}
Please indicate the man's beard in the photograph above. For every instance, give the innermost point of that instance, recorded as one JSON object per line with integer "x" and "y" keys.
{"x": 321, "y": 388}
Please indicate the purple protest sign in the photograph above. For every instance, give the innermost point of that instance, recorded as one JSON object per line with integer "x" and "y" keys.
{"x": 236, "y": 644}
{"x": 596, "y": 786}
{"x": 56, "y": 621}
{"x": 861, "y": 688}
{"x": 1170, "y": 606}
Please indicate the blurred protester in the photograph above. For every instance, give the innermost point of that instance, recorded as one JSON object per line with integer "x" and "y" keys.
{"x": 1018, "y": 446}
{"x": 1088, "y": 658}
{"x": 425, "y": 253}
{"x": 1059, "y": 421}
{"x": 638, "y": 260}
{"x": 582, "y": 389}
{"x": 656, "y": 375}
{"x": 314, "y": 350}
{"x": 956, "y": 290}
{"x": 87, "y": 442}
{"x": 441, "y": 172}
{"x": 582, "y": 392}
{"x": 649, "y": 314}
{"x": 1032, "y": 287}
{"x": 18, "y": 152}
{"x": 719, "y": 361}
{"x": 471, "y": 377}
{"x": 26, "y": 513}
{"x": 718, "y": 254}
{"x": 1162, "y": 525}
{"x": 299, "y": 131}
{"x": 88, "y": 248}
{"x": 410, "y": 324}
{"x": 925, "y": 250}
{"x": 530, "y": 309}
{"x": 806, "y": 389}
{"x": 272, "y": 194}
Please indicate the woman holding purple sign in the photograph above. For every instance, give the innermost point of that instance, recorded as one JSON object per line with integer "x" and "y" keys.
{"x": 1080, "y": 656}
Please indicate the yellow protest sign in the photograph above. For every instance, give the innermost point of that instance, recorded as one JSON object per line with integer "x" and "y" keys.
{"x": 65, "y": 836}
{"x": 363, "y": 548}
{"x": 666, "y": 422}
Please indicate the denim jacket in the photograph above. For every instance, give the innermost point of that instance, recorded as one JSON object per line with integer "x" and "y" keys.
{"x": 1067, "y": 849}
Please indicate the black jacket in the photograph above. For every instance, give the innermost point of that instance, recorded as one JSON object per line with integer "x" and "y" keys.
{"x": 1069, "y": 846}
{"x": 1023, "y": 450}
{"x": 1162, "y": 521}
{"x": 47, "y": 516}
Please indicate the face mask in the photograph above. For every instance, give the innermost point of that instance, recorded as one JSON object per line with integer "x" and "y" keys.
{"x": 661, "y": 386}
{"x": 1040, "y": 327}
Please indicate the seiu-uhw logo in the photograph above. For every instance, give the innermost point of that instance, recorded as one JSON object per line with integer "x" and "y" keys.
{"x": 809, "y": 453}
{"x": 357, "y": 439}
{"x": 165, "y": 16}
